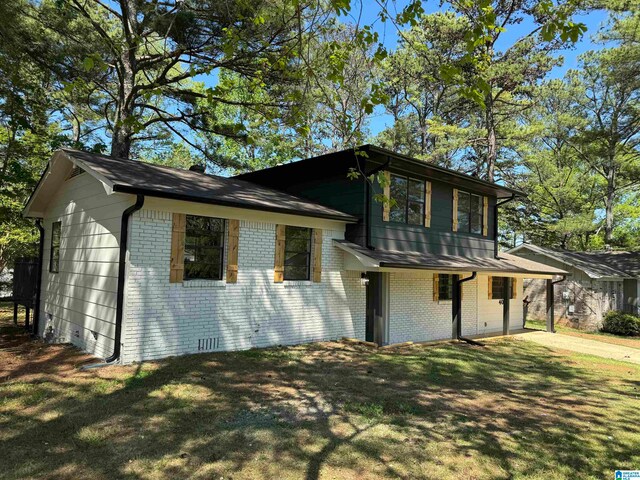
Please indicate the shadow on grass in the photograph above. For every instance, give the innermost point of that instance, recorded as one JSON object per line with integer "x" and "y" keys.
{"x": 511, "y": 409}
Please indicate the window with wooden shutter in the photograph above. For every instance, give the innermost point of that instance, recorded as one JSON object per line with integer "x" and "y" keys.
{"x": 278, "y": 269}
{"x": 514, "y": 285}
{"x": 317, "y": 255}
{"x": 490, "y": 286}
{"x": 386, "y": 207}
{"x": 178, "y": 229}
{"x": 436, "y": 286}
{"x": 427, "y": 205}
{"x": 455, "y": 210}
{"x": 233, "y": 240}
{"x": 485, "y": 216}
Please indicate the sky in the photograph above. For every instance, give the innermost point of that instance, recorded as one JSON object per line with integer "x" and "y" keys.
{"x": 366, "y": 13}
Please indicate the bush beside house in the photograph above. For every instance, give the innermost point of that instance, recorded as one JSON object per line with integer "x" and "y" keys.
{"x": 620, "y": 323}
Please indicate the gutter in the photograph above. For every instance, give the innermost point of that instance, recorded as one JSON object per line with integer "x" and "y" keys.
{"x": 495, "y": 223}
{"x": 36, "y": 313}
{"x": 122, "y": 264}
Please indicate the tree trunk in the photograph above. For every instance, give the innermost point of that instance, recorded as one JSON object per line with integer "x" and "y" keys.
{"x": 492, "y": 142}
{"x": 123, "y": 129}
{"x": 609, "y": 203}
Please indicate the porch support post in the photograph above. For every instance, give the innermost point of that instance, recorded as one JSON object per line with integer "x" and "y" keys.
{"x": 506, "y": 305}
{"x": 550, "y": 308}
{"x": 26, "y": 318}
{"x": 15, "y": 313}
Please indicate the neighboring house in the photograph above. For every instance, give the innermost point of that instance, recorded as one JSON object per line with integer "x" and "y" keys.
{"x": 142, "y": 261}
{"x": 598, "y": 282}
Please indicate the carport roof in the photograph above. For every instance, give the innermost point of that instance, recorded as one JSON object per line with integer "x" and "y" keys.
{"x": 506, "y": 263}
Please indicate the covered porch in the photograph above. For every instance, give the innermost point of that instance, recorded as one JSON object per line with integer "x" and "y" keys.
{"x": 419, "y": 297}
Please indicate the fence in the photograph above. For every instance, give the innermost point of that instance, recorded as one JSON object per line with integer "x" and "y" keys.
{"x": 25, "y": 284}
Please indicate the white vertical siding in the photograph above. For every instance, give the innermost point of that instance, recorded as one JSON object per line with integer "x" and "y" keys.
{"x": 78, "y": 303}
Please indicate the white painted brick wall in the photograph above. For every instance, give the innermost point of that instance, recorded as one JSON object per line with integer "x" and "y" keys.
{"x": 414, "y": 316}
{"x": 164, "y": 319}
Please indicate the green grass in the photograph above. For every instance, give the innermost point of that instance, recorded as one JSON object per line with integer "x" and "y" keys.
{"x": 510, "y": 410}
{"x": 633, "y": 342}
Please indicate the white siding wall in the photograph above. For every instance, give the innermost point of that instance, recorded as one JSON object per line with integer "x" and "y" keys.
{"x": 165, "y": 319}
{"x": 78, "y": 303}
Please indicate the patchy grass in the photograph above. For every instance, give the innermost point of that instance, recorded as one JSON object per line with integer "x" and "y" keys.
{"x": 633, "y": 342}
{"x": 511, "y": 410}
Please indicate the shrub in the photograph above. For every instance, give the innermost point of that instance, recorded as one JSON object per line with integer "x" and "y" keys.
{"x": 620, "y": 323}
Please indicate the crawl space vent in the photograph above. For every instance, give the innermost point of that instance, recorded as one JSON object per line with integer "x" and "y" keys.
{"x": 208, "y": 344}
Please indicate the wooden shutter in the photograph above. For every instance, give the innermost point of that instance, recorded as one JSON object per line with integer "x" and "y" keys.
{"x": 436, "y": 287}
{"x": 490, "y": 290}
{"x": 317, "y": 255}
{"x": 514, "y": 284}
{"x": 232, "y": 250}
{"x": 278, "y": 269}
{"x": 485, "y": 216}
{"x": 176, "y": 266}
{"x": 386, "y": 208}
{"x": 455, "y": 210}
{"x": 427, "y": 204}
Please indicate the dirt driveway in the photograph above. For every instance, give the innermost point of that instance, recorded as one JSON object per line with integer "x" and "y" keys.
{"x": 582, "y": 345}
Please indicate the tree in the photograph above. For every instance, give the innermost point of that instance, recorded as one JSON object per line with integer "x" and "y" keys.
{"x": 610, "y": 143}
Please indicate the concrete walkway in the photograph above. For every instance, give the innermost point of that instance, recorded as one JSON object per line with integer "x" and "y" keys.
{"x": 582, "y": 345}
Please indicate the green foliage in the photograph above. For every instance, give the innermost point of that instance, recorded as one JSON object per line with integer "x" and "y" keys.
{"x": 620, "y": 323}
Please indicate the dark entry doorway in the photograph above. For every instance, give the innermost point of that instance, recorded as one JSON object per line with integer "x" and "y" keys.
{"x": 375, "y": 330}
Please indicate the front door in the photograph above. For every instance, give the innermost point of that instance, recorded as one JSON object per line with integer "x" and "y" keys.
{"x": 375, "y": 330}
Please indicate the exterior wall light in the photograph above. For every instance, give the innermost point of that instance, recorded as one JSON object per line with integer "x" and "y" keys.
{"x": 364, "y": 280}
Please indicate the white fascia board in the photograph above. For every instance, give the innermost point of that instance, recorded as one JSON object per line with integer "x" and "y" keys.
{"x": 108, "y": 184}
{"x": 356, "y": 260}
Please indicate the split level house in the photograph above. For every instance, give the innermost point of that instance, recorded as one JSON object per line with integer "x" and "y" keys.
{"x": 599, "y": 282}
{"x": 141, "y": 261}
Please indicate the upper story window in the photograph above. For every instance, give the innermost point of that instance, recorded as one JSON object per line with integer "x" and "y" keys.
{"x": 54, "y": 259}
{"x": 469, "y": 213}
{"x": 203, "y": 248}
{"x": 408, "y": 196}
{"x": 297, "y": 253}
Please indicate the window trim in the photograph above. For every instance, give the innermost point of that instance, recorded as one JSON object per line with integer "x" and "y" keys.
{"x": 308, "y": 254}
{"x": 52, "y": 246}
{"x": 470, "y": 213}
{"x": 422, "y": 200}
{"x": 223, "y": 246}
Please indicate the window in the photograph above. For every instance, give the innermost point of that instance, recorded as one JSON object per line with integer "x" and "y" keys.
{"x": 203, "y": 248}
{"x": 498, "y": 285}
{"x": 54, "y": 259}
{"x": 408, "y": 196}
{"x": 297, "y": 253}
{"x": 469, "y": 213}
{"x": 445, "y": 286}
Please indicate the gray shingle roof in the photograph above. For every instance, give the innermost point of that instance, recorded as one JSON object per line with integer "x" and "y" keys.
{"x": 594, "y": 264}
{"x": 131, "y": 176}
{"x": 506, "y": 263}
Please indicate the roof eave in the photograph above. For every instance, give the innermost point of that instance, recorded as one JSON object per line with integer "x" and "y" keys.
{"x": 173, "y": 196}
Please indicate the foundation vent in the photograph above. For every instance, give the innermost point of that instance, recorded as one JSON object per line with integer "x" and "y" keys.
{"x": 208, "y": 344}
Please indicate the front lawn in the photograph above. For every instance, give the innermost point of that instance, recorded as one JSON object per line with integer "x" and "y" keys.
{"x": 336, "y": 411}
{"x": 633, "y": 342}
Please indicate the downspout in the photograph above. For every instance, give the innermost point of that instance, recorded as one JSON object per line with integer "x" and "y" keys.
{"x": 495, "y": 223}
{"x": 36, "y": 313}
{"x": 122, "y": 264}
{"x": 457, "y": 307}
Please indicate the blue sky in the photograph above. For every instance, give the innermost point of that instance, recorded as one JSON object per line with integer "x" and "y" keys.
{"x": 389, "y": 36}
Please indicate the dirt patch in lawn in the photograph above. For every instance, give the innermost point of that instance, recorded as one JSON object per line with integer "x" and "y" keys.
{"x": 327, "y": 410}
